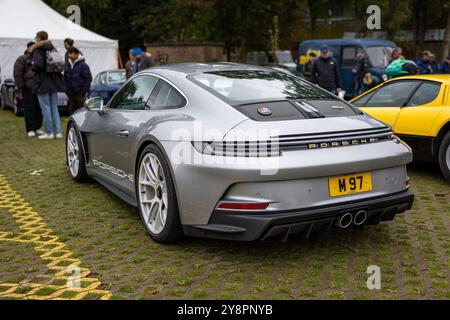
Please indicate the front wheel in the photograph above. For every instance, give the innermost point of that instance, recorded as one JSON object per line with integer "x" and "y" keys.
{"x": 444, "y": 156}
{"x": 75, "y": 156}
{"x": 156, "y": 197}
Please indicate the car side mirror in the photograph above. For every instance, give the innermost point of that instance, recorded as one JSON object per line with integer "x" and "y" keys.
{"x": 95, "y": 104}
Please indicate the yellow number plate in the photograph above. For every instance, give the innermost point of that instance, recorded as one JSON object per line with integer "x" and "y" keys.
{"x": 356, "y": 183}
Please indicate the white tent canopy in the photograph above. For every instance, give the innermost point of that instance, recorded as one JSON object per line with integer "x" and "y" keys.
{"x": 20, "y": 20}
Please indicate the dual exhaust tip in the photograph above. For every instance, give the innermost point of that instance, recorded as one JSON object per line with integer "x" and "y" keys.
{"x": 347, "y": 219}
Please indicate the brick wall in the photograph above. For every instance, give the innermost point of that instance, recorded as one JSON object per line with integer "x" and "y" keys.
{"x": 186, "y": 52}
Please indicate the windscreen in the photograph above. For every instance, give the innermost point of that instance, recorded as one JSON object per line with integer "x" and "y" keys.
{"x": 116, "y": 77}
{"x": 379, "y": 56}
{"x": 241, "y": 86}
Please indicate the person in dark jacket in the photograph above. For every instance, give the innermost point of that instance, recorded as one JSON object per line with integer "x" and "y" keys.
{"x": 445, "y": 66}
{"x": 23, "y": 77}
{"x": 142, "y": 60}
{"x": 307, "y": 67}
{"x": 359, "y": 71}
{"x": 47, "y": 85}
{"x": 325, "y": 72}
{"x": 78, "y": 79}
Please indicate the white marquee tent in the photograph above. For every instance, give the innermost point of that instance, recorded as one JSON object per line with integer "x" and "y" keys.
{"x": 21, "y": 19}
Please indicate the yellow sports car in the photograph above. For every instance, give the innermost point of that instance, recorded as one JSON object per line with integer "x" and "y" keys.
{"x": 418, "y": 109}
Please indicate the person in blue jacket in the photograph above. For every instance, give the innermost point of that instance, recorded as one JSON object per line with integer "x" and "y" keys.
{"x": 445, "y": 66}
{"x": 424, "y": 63}
{"x": 78, "y": 77}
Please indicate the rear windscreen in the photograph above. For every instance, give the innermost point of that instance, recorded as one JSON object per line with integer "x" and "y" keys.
{"x": 242, "y": 86}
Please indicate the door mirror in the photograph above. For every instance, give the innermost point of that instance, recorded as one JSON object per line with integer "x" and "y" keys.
{"x": 95, "y": 104}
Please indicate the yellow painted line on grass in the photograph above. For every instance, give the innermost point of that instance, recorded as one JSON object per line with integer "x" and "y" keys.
{"x": 55, "y": 254}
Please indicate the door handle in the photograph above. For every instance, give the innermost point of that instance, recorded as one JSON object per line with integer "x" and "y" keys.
{"x": 123, "y": 133}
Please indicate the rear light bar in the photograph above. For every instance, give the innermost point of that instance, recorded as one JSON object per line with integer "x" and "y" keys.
{"x": 245, "y": 149}
{"x": 243, "y": 205}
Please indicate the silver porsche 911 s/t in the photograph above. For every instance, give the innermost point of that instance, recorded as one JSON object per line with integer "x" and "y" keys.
{"x": 238, "y": 152}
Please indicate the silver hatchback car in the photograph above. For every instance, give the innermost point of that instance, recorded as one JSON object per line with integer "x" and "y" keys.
{"x": 230, "y": 151}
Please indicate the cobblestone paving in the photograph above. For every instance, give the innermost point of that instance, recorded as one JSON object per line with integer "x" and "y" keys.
{"x": 107, "y": 237}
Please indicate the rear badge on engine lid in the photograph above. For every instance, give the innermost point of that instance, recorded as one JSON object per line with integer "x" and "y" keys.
{"x": 264, "y": 111}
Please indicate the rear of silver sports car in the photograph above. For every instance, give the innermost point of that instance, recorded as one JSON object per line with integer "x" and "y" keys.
{"x": 296, "y": 160}
{"x": 310, "y": 176}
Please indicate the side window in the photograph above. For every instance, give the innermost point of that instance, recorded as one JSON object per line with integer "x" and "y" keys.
{"x": 362, "y": 101}
{"x": 102, "y": 78}
{"x": 166, "y": 97}
{"x": 394, "y": 94}
{"x": 349, "y": 56}
{"x": 427, "y": 92}
{"x": 135, "y": 94}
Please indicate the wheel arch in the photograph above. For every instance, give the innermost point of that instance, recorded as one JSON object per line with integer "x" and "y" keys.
{"x": 153, "y": 140}
{"x": 72, "y": 122}
{"x": 440, "y": 136}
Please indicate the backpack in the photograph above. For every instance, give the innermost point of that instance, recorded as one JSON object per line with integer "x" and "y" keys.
{"x": 54, "y": 62}
{"x": 395, "y": 68}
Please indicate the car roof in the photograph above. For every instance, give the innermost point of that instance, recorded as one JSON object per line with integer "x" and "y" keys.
{"x": 193, "y": 68}
{"x": 430, "y": 77}
{"x": 343, "y": 42}
{"x": 113, "y": 70}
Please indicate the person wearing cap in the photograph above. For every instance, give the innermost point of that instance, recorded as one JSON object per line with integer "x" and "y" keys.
{"x": 142, "y": 61}
{"x": 23, "y": 77}
{"x": 78, "y": 77}
{"x": 424, "y": 63}
{"x": 326, "y": 73}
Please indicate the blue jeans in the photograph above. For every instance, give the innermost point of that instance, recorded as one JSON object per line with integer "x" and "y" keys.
{"x": 50, "y": 112}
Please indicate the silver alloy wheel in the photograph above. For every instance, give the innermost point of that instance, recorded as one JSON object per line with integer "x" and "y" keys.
{"x": 447, "y": 157}
{"x": 153, "y": 198}
{"x": 73, "y": 152}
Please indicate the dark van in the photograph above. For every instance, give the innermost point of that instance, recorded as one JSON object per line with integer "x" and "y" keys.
{"x": 344, "y": 51}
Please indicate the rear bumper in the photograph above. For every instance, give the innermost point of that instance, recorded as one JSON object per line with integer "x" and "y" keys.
{"x": 250, "y": 227}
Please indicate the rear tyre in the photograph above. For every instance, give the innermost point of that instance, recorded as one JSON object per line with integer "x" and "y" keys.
{"x": 444, "y": 156}
{"x": 75, "y": 155}
{"x": 155, "y": 193}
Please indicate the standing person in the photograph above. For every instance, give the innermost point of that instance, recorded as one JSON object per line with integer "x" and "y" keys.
{"x": 424, "y": 63}
{"x": 23, "y": 77}
{"x": 48, "y": 80}
{"x": 433, "y": 64}
{"x": 78, "y": 78}
{"x": 325, "y": 72}
{"x": 68, "y": 43}
{"x": 397, "y": 53}
{"x": 445, "y": 66}
{"x": 395, "y": 68}
{"x": 129, "y": 65}
{"x": 307, "y": 67}
{"x": 361, "y": 74}
{"x": 142, "y": 61}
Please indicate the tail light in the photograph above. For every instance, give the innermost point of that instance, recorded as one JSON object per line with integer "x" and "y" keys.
{"x": 245, "y": 206}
